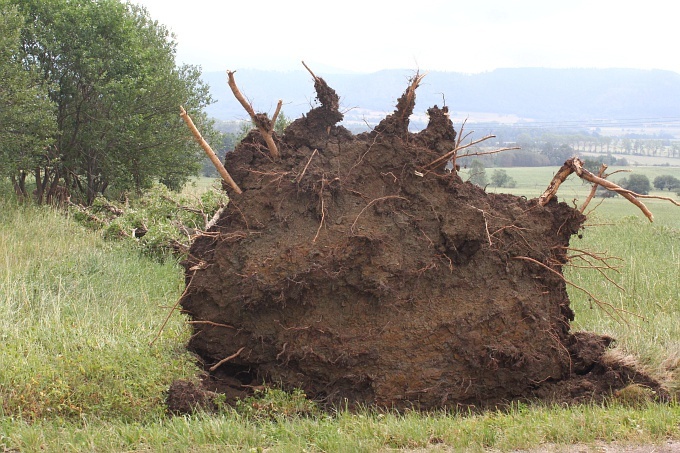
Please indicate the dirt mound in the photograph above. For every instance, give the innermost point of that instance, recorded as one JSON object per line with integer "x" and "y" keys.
{"x": 347, "y": 270}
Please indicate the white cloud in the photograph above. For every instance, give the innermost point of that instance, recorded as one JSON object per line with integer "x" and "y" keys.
{"x": 364, "y": 35}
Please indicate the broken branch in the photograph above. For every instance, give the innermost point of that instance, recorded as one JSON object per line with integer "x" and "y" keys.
{"x": 266, "y": 128}
{"x": 484, "y": 153}
{"x": 208, "y": 151}
{"x": 276, "y": 113}
{"x": 593, "y": 189}
{"x": 575, "y": 165}
{"x": 411, "y": 91}
{"x": 453, "y": 155}
{"x": 310, "y": 71}
{"x": 454, "y": 152}
{"x": 211, "y": 223}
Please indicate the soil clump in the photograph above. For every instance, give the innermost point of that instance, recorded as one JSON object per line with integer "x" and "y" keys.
{"x": 352, "y": 269}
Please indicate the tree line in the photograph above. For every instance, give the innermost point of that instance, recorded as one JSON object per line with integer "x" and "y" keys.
{"x": 91, "y": 94}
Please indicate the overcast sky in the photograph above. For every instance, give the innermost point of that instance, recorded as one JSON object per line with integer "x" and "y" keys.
{"x": 446, "y": 35}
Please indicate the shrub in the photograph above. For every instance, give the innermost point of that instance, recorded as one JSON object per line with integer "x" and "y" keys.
{"x": 636, "y": 183}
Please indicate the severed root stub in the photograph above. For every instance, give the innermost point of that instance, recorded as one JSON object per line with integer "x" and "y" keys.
{"x": 346, "y": 271}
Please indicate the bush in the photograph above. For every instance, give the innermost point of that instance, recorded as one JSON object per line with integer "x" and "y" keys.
{"x": 500, "y": 178}
{"x": 636, "y": 183}
{"x": 667, "y": 182}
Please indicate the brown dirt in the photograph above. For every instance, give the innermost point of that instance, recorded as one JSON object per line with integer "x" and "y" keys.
{"x": 348, "y": 270}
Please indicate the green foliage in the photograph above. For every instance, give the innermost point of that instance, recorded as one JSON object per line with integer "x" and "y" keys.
{"x": 521, "y": 158}
{"x": 557, "y": 154}
{"x": 605, "y": 193}
{"x": 649, "y": 272}
{"x": 158, "y": 224}
{"x": 76, "y": 319}
{"x": 112, "y": 75}
{"x": 593, "y": 164}
{"x": 500, "y": 178}
{"x": 477, "y": 173}
{"x": 244, "y": 130}
{"x": 227, "y": 142}
{"x": 636, "y": 183}
{"x": 275, "y": 403}
{"x": 666, "y": 182}
{"x": 27, "y": 116}
{"x": 282, "y": 122}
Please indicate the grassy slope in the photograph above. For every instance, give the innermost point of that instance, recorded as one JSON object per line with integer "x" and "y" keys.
{"x": 76, "y": 319}
{"x": 77, "y": 372}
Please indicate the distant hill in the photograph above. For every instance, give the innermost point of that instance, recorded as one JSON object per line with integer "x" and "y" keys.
{"x": 521, "y": 93}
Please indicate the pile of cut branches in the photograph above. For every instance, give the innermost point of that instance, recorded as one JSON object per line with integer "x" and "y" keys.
{"x": 160, "y": 224}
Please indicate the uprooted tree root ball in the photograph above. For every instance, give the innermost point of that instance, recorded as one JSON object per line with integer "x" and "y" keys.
{"x": 347, "y": 270}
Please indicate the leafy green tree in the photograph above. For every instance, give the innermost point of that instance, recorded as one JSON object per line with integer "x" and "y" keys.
{"x": 117, "y": 89}
{"x": 592, "y": 165}
{"x": 500, "y": 178}
{"x": 27, "y": 116}
{"x": 667, "y": 182}
{"x": 636, "y": 183}
{"x": 477, "y": 173}
{"x": 282, "y": 122}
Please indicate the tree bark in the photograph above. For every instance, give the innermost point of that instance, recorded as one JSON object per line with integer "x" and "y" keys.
{"x": 208, "y": 151}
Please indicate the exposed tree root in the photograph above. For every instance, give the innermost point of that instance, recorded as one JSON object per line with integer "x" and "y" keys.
{"x": 453, "y": 155}
{"x": 575, "y": 165}
{"x": 226, "y": 359}
{"x": 613, "y": 312}
{"x": 263, "y": 124}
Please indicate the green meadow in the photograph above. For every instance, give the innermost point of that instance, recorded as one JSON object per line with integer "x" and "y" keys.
{"x": 78, "y": 371}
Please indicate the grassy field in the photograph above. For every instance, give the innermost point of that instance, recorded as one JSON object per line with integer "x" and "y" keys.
{"x": 77, "y": 372}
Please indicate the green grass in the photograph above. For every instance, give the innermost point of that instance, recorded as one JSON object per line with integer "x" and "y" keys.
{"x": 649, "y": 274}
{"x": 76, "y": 319}
{"x": 77, "y": 373}
{"x": 522, "y": 427}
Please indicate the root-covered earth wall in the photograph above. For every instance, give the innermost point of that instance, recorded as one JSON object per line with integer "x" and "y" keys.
{"x": 347, "y": 270}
